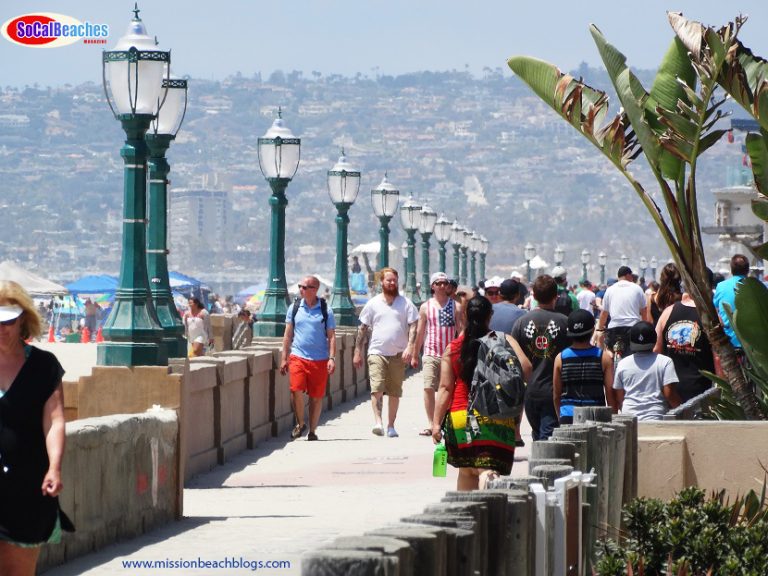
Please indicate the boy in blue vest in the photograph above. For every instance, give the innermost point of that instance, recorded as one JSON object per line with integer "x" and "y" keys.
{"x": 583, "y": 375}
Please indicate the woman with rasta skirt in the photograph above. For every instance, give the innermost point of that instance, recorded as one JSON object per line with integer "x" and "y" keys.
{"x": 489, "y": 450}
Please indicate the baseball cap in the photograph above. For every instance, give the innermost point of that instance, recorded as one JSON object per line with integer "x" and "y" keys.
{"x": 642, "y": 337}
{"x": 453, "y": 282}
{"x": 494, "y": 282}
{"x": 559, "y": 272}
{"x": 10, "y": 312}
{"x": 509, "y": 288}
{"x": 437, "y": 276}
{"x": 580, "y": 323}
{"x": 623, "y": 271}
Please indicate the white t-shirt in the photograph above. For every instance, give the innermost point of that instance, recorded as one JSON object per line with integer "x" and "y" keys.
{"x": 623, "y": 302}
{"x": 389, "y": 324}
{"x": 586, "y": 298}
{"x": 642, "y": 376}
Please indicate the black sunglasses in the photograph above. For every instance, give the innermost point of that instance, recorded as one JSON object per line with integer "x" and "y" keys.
{"x": 307, "y": 287}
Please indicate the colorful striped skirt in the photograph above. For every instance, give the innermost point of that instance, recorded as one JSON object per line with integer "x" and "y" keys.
{"x": 492, "y": 447}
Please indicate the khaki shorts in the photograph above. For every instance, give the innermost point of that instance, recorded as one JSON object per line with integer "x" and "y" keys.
{"x": 430, "y": 372}
{"x": 386, "y": 374}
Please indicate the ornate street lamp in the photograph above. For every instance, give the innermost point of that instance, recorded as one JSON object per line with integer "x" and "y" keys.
{"x": 384, "y": 199}
{"x": 643, "y": 265}
{"x": 465, "y": 236}
{"x": 602, "y": 259}
{"x": 162, "y": 132}
{"x": 443, "y": 235}
{"x": 426, "y": 227}
{"x": 585, "y": 256}
{"x": 133, "y": 84}
{"x": 457, "y": 235}
{"x": 654, "y": 263}
{"x": 529, "y": 253}
{"x": 410, "y": 218}
{"x": 343, "y": 187}
{"x": 559, "y": 253}
{"x": 624, "y": 260}
{"x": 483, "y": 251}
{"x": 474, "y": 248}
{"x": 279, "y": 155}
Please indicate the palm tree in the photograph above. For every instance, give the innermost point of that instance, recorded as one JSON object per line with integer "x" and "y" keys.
{"x": 672, "y": 125}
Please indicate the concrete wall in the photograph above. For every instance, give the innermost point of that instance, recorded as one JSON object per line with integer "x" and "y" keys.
{"x": 710, "y": 455}
{"x": 120, "y": 476}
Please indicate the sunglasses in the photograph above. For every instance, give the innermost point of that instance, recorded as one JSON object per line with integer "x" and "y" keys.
{"x": 492, "y": 292}
{"x": 10, "y": 322}
{"x": 307, "y": 287}
{"x": 441, "y": 283}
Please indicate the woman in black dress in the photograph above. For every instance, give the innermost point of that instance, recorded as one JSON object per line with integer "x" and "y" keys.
{"x": 31, "y": 437}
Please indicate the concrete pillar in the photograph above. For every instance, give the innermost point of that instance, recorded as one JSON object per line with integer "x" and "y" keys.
{"x": 544, "y": 449}
{"x": 399, "y": 549}
{"x": 630, "y": 461}
{"x": 429, "y": 545}
{"x": 520, "y": 531}
{"x": 548, "y": 473}
{"x": 478, "y": 512}
{"x": 349, "y": 563}
{"x": 533, "y": 463}
{"x": 460, "y": 531}
{"x": 615, "y": 495}
{"x": 584, "y": 432}
{"x": 512, "y": 483}
{"x": 585, "y": 414}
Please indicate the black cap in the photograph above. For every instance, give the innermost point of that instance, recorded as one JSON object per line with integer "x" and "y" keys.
{"x": 509, "y": 289}
{"x": 642, "y": 337}
{"x": 580, "y": 323}
{"x": 453, "y": 282}
{"x": 623, "y": 271}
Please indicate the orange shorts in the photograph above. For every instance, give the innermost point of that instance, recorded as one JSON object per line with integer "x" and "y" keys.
{"x": 308, "y": 376}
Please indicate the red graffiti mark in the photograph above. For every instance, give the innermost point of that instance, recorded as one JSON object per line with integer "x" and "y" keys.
{"x": 142, "y": 483}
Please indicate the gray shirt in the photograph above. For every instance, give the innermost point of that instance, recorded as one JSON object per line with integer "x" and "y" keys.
{"x": 505, "y": 314}
{"x": 642, "y": 377}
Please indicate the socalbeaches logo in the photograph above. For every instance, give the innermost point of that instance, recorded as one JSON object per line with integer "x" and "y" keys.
{"x": 49, "y": 30}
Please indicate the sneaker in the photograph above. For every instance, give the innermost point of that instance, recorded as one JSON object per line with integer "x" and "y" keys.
{"x": 378, "y": 430}
{"x": 298, "y": 430}
{"x": 311, "y": 436}
{"x": 392, "y": 433}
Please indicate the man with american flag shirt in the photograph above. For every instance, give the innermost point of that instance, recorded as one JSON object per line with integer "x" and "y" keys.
{"x": 440, "y": 321}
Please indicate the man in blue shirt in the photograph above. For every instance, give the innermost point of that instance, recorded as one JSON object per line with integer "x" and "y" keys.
{"x": 725, "y": 293}
{"x": 310, "y": 336}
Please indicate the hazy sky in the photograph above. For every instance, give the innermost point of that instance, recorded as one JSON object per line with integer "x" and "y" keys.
{"x": 216, "y": 39}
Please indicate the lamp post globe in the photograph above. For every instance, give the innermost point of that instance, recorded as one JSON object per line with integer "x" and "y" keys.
{"x": 457, "y": 235}
{"x": 426, "y": 228}
{"x": 279, "y": 155}
{"x": 162, "y": 132}
{"x": 624, "y": 260}
{"x": 654, "y": 264}
{"x": 529, "y": 252}
{"x": 343, "y": 187}
{"x": 410, "y": 218}
{"x": 643, "y": 266}
{"x": 443, "y": 235}
{"x": 585, "y": 257}
{"x": 602, "y": 259}
{"x": 385, "y": 200}
{"x": 559, "y": 253}
{"x": 465, "y": 236}
{"x": 133, "y": 84}
{"x": 483, "y": 252}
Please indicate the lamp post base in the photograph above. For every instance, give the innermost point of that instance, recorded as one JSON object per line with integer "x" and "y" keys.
{"x": 268, "y": 328}
{"x": 131, "y": 354}
{"x": 343, "y": 310}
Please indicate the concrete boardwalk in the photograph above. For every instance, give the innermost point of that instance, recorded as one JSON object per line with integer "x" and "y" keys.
{"x": 287, "y": 497}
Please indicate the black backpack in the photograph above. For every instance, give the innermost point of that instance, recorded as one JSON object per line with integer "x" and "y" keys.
{"x": 323, "y": 309}
{"x": 498, "y": 386}
{"x": 563, "y": 303}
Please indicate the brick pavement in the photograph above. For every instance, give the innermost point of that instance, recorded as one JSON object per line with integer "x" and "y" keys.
{"x": 287, "y": 497}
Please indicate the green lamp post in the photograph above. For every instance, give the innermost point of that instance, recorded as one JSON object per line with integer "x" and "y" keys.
{"x": 456, "y": 238}
{"x": 654, "y": 263}
{"x": 443, "y": 235}
{"x": 426, "y": 228}
{"x": 404, "y": 254}
{"x": 410, "y": 218}
{"x": 384, "y": 200}
{"x": 474, "y": 246}
{"x": 482, "y": 251}
{"x": 465, "y": 234}
{"x": 279, "y": 155}
{"x": 585, "y": 257}
{"x": 162, "y": 132}
{"x": 133, "y": 84}
{"x": 643, "y": 266}
{"x": 559, "y": 253}
{"x": 602, "y": 259}
{"x": 529, "y": 252}
{"x": 343, "y": 187}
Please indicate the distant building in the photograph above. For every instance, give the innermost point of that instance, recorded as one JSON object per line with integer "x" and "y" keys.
{"x": 197, "y": 225}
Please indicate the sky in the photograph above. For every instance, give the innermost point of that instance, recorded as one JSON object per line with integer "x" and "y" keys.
{"x": 213, "y": 40}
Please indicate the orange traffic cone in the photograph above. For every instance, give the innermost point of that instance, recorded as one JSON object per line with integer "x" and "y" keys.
{"x": 51, "y": 334}
{"x": 99, "y": 335}
{"x": 85, "y": 338}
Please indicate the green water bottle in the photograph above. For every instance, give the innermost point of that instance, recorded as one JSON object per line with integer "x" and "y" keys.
{"x": 440, "y": 461}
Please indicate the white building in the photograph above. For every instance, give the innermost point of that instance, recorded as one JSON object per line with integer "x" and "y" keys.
{"x": 197, "y": 222}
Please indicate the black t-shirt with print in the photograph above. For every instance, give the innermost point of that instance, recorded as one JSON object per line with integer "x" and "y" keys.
{"x": 542, "y": 336}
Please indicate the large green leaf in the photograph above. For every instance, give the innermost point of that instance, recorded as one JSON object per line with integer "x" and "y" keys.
{"x": 758, "y": 154}
{"x": 632, "y": 96}
{"x": 674, "y": 71}
{"x": 750, "y": 322}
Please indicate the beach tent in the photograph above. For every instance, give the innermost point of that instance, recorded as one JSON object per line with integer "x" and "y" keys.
{"x": 95, "y": 284}
{"x": 32, "y": 283}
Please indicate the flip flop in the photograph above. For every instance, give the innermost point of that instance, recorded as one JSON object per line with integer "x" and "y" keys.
{"x": 425, "y": 432}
